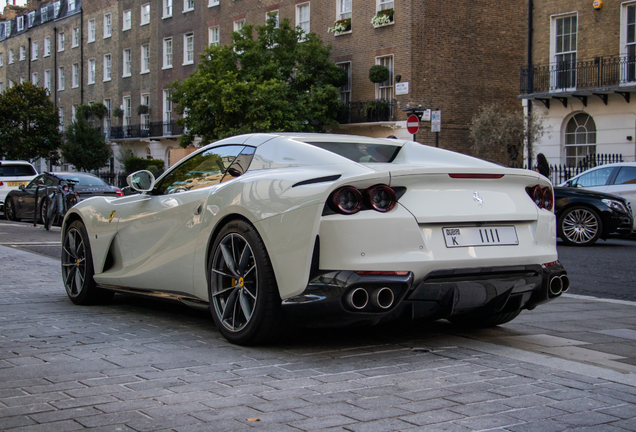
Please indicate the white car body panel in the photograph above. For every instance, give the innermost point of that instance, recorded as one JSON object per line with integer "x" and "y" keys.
{"x": 160, "y": 243}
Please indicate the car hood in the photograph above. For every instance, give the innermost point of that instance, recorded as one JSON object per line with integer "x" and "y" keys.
{"x": 562, "y": 192}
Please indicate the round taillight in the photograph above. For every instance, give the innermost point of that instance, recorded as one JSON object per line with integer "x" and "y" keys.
{"x": 381, "y": 198}
{"x": 346, "y": 200}
{"x": 537, "y": 196}
{"x": 548, "y": 198}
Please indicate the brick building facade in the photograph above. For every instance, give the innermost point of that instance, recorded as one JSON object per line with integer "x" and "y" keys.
{"x": 453, "y": 57}
{"x": 581, "y": 77}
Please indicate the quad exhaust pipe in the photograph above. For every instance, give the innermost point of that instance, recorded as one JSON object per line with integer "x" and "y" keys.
{"x": 558, "y": 285}
{"x": 380, "y": 298}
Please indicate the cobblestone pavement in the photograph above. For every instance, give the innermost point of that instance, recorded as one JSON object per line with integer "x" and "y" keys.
{"x": 140, "y": 365}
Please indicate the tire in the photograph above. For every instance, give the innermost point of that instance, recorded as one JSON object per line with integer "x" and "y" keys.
{"x": 77, "y": 268}
{"x": 50, "y": 213}
{"x": 485, "y": 321}
{"x": 244, "y": 298}
{"x": 580, "y": 226}
{"x": 9, "y": 210}
{"x": 44, "y": 208}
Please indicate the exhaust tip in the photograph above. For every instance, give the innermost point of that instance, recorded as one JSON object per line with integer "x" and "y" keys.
{"x": 358, "y": 298}
{"x": 382, "y": 298}
{"x": 566, "y": 283}
{"x": 556, "y": 285}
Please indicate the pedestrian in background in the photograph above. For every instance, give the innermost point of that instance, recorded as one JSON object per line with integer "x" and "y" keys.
{"x": 542, "y": 165}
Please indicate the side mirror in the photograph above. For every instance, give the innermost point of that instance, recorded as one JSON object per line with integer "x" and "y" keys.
{"x": 22, "y": 187}
{"x": 141, "y": 181}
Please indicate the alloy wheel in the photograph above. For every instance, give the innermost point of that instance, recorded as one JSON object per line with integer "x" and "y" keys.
{"x": 580, "y": 226}
{"x": 9, "y": 210}
{"x": 234, "y": 277}
{"x": 74, "y": 262}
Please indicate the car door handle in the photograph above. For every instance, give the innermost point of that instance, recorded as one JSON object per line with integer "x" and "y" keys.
{"x": 197, "y": 211}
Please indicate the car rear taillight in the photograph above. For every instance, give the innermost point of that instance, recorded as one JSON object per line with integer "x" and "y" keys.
{"x": 380, "y": 198}
{"x": 1, "y": 184}
{"x": 346, "y": 200}
{"x": 119, "y": 192}
{"x": 542, "y": 197}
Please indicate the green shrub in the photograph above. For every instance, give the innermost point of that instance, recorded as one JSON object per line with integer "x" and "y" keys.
{"x": 155, "y": 166}
{"x": 379, "y": 73}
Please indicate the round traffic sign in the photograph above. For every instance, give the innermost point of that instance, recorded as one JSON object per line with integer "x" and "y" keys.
{"x": 413, "y": 124}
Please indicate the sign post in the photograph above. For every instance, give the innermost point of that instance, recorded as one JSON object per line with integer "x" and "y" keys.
{"x": 413, "y": 125}
{"x": 436, "y": 124}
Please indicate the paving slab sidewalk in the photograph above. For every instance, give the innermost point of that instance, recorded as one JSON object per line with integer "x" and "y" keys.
{"x": 140, "y": 365}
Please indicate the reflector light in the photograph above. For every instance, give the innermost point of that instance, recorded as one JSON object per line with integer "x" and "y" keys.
{"x": 383, "y": 273}
{"x": 381, "y": 198}
{"x": 346, "y": 200}
{"x": 550, "y": 264}
{"x": 119, "y": 192}
{"x": 476, "y": 176}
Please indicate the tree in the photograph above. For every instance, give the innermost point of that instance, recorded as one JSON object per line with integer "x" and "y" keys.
{"x": 28, "y": 124}
{"x": 500, "y": 135}
{"x": 85, "y": 147}
{"x": 272, "y": 83}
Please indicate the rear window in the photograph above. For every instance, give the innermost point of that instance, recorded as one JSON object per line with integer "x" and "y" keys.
{"x": 360, "y": 152}
{"x": 86, "y": 180}
{"x": 17, "y": 170}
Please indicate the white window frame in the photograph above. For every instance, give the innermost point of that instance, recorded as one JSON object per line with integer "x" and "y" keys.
{"x": 108, "y": 67}
{"x": 47, "y": 79}
{"x": 308, "y": 22}
{"x": 214, "y": 31}
{"x": 127, "y": 63}
{"x": 349, "y": 82}
{"x": 31, "y": 18}
{"x": 11, "y": 56}
{"x": 144, "y": 119}
{"x": 553, "y": 42}
{"x": 126, "y": 20}
{"x": 44, "y": 14}
{"x": 34, "y": 78}
{"x": 71, "y": 5}
{"x": 75, "y": 78}
{"x": 76, "y": 37}
{"x": 381, "y": 90}
{"x": 167, "y": 113}
{"x": 239, "y": 24}
{"x": 20, "y": 21}
{"x": 91, "y": 30}
{"x": 34, "y": 50}
{"x": 127, "y": 104}
{"x": 145, "y": 58}
{"x": 341, "y": 13}
{"x": 145, "y": 14}
{"x": 107, "y": 118}
{"x": 1, "y": 59}
{"x": 628, "y": 69}
{"x": 212, "y": 3}
{"x": 167, "y": 53}
{"x": 1, "y": 87}
{"x": 47, "y": 46}
{"x": 167, "y": 8}
{"x": 61, "y": 79}
{"x": 56, "y": 8}
{"x": 188, "y": 49}
{"x": 61, "y": 39}
{"x": 108, "y": 25}
{"x": 269, "y": 14}
{"x": 22, "y": 53}
{"x": 91, "y": 71}
{"x": 384, "y": 4}
{"x": 188, "y": 6}
{"x": 61, "y": 115}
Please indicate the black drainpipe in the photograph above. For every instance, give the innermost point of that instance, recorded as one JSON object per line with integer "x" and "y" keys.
{"x": 54, "y": 83}
{"x": 82, "y": 55}
{"x": 29, "y": 60}
{"x": 530, "y": 77}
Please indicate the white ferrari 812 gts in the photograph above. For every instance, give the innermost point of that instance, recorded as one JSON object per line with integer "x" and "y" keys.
{"x": 322, "y": 230}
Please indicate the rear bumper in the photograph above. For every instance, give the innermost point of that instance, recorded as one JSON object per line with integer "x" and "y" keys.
{"x": 327, "y": 301}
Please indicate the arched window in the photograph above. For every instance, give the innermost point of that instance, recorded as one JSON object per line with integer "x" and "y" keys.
{"x": 580, "y": 139}
{"x": 148, "y": 154}
{"x": 167, "y": 159}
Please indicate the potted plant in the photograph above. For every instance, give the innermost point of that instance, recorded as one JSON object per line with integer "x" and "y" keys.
{"x": 340, "y": 26}
{"x": 379, "y": 73}
{"x": 382, "y": 18}
{"x": 118, "y": 112}
{"x": 377, "y": 110}
{"x": 143, "y": 109}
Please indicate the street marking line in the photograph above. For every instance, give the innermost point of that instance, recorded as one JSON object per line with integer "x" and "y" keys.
{"x": 598, "y": 299}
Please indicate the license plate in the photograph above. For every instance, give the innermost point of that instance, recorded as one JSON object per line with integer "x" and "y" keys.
{"x": 480, "y": 236}
{"x": 16, "y": 184}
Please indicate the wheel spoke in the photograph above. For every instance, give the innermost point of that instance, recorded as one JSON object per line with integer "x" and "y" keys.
{"x": 245, "y": 306}
{"x": 69, "y": 279}
{"x": 223, "y": 291}
{"x": 79, "y": 280}
{"x": 70, "y": 254}
{"x": 221, "y": 273}
{"x": 249, "y": 271}
{"x": 244, "y": 260}
{"x": 248, "y": 292}
{"x": 71, "y": 243}
{"x": 229, "y": 305}
{"x": 229, "y": 260}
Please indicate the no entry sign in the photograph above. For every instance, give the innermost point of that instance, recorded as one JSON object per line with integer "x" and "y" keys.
{"x": 413, "y": 124}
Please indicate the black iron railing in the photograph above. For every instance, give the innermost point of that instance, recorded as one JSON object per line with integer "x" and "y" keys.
{"x": 593, "y": 73}
{"x": 376, "y": 110}
{"x": 152, "y": 129}
{"x": 560, "y": 173}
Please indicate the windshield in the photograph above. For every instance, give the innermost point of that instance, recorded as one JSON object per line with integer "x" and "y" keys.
{"x": 361, "y": 152}
{"x": 85, "y": 180}
{"x": 17, "y": 170}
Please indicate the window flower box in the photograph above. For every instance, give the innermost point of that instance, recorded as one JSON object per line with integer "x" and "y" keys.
{"x": 340, "y": 26}
{"x": 382, "y": 18}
